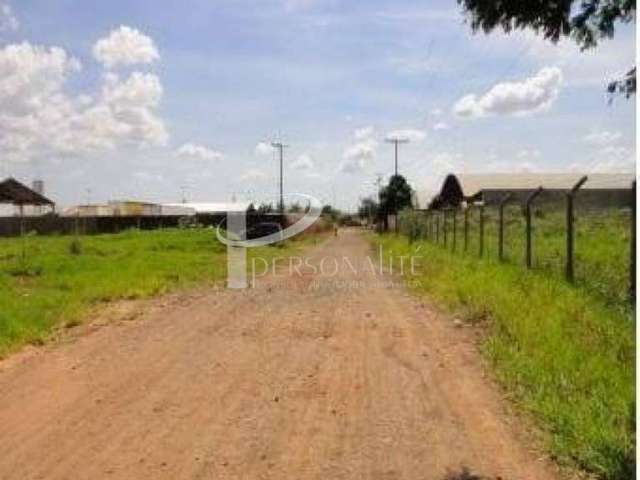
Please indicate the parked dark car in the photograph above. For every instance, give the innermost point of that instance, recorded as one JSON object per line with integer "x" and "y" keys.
{"x": 262, "y": 229}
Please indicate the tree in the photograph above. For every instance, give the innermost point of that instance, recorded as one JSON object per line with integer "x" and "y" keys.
{"x": 265, "y": 208}
{"x": 395, "y": 196}
{"x": 326, "y": 210}
{"x": 625, "y": 86}
{"x": 295, "y": 208}
{"x": 586, "y": 21}
{"x": 368, "y": 208}
{"x": 329, "y": 211}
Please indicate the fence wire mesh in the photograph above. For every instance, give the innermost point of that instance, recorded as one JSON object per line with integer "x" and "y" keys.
{"x": 602, "y": 240}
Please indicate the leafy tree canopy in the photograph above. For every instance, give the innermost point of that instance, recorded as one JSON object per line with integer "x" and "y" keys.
{"x": 368, "y": 208}
{"x": 396, "y": 195}
{"x": 329, "y": 211}
{"x": 265, "y": 208}
{"x": 586, "y": 21}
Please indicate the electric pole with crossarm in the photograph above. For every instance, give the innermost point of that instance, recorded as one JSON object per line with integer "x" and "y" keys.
{"x": 281, "y": 146}
{"x": 396, "y": 140}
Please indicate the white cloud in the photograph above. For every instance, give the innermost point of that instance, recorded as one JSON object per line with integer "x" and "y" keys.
{"x": 38, "y": 119}
{"x": 592, "y": 67}
{"x": 303, "y": 162}
{"x": 358, "y": 156}
{"x": 128, "y": 108}
{"x": 613, "y": 159}
{"x": 31, "y": 75}
{"x": 125, "y": 46}
{"x": 192, "y": 150}
{"x": 441, "y": 126}
{"x": 534, "y": 94}
{"x": 263, "y": 148}
{"x": 436, "y": 112}
{"x": 445, "y": 162}
{"x": 409, "y": 134}
{"x": 603, "y": 138}
{"x": 253, "y": 174}
{"x": 8, "y": 21}
{"x": 363, "y": 133}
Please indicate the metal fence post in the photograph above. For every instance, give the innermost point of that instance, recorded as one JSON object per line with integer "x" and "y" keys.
{"x": 527, "y": 212}
{"x": 503, "y": 202}
{"x": 453, "y": 240}
{"x": 432, "y": 230}
{"x": 570, "y": 218}
{"x": 632, "y": 262}
{"x": 22, "y": 231}
{"x": 426, "y": 225}
{"x": 481, "y": 230}
{"x": 444, "y": 226}
{"x": 466, "y": 227}
{"x": 433, "y": 227}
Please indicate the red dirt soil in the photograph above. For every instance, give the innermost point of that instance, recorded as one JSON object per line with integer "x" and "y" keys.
{"x": 315, "y": 376}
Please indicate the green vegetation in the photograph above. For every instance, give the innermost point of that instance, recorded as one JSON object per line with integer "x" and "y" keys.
{"x": 564, "y": 354}
{"x": 601, "y": 259}
{"x": 51, "y": 281}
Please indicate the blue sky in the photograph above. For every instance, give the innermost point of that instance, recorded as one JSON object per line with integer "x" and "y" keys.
{"x": 186, "y": 94}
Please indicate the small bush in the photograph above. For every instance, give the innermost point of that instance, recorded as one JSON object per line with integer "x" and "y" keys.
{"x": 24, "y": 268}
{"x": 75, "y": 247}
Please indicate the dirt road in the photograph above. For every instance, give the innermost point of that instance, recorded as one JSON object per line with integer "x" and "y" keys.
{"x": 317, "y": 376}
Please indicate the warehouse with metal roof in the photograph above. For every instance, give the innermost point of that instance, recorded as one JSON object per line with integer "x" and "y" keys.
{"x": 600, "y": 189}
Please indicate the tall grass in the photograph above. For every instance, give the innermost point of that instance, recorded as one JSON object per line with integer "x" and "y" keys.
{"x": 564, "y": 354}
{"x": 52, "y": 280}
{"x": 602, "y": 243}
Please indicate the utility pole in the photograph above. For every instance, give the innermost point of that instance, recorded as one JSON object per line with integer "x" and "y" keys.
{"x": 396, "y": 141}
{"x": 183, "y": 191}
{"x": 378, "y": 184}
{"x": 280, "y": 146}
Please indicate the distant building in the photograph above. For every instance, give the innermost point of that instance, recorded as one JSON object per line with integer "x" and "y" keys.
{"x": 88, "y": 211}
{"x": 209, "y": 208}
{"x": 132, "y": 208}
{"x": 176, "y": 210}
{"x": 115, "y": 208}
{"x": 22, "y": 200}
{"x": 600, "y": 189}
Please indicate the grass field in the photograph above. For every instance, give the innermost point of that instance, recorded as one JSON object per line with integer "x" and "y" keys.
{"x": 51, "y": 281}
{"x": 602, "y": 245}
{"x": 565, "y": 354}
